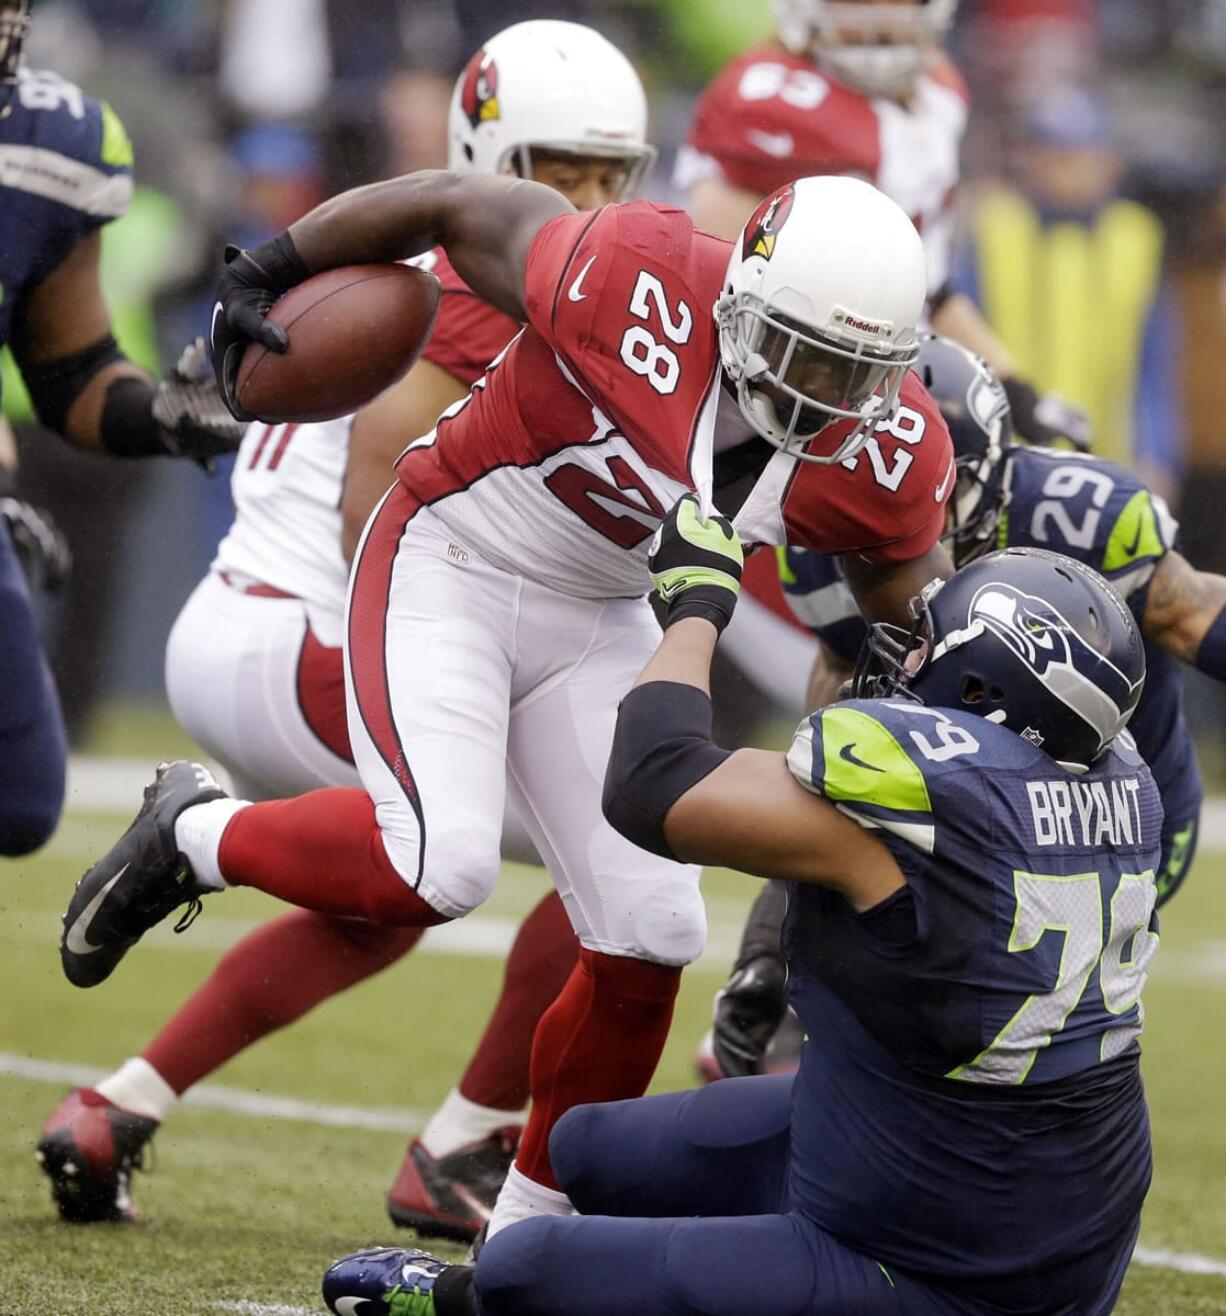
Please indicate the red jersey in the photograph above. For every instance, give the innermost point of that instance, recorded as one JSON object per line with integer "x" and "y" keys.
{"x": 469, "y": 333}
{"x": 608, "y": 406}
{"x": 771, "y": 117}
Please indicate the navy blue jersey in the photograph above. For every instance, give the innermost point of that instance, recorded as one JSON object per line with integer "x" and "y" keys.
{"x": 1088, "y": 509}
{"x": 65, "y": 170}
{"x": 973, "y": 1045}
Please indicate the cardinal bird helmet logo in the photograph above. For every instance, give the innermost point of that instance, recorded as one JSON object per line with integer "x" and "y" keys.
{"x": 765, "y": 223}
{"x": 479, "y": 94}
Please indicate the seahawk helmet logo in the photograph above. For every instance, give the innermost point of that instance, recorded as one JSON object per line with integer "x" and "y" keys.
{"x": 1073, "y": 671}
{"x": 479, "y": 90}
{"x": 765, "y": 223}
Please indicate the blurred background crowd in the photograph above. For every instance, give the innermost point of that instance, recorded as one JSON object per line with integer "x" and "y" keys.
{"x": 1093, "y": 231}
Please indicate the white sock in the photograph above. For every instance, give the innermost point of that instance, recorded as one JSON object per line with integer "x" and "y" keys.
{"x": 459, "y": 1122}
{"x": 198, "y": 832}
{"x": 137, "y": 1087}
{"x": 521, "y": 1199}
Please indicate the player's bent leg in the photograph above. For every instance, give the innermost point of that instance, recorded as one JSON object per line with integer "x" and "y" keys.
{"x": 721, "y": 1150}
{"x": 33, "y": 743}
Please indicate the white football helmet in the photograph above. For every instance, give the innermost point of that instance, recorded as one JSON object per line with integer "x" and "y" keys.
{"x": 817, "y": 321}
{"x": 550, "y": 85}
{"x": 877, "y": 49}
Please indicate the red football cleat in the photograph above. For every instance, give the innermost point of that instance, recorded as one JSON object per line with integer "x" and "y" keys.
{"x": 452, "y": 1197}
{"x": 88, "y": 1149}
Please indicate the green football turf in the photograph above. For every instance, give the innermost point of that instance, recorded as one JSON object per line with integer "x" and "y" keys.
{"x": 244, "y": 1209}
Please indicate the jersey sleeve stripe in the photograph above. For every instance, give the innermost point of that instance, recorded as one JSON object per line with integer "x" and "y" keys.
{"x": 56, "y": 177}
{"x": 570, "y": 260}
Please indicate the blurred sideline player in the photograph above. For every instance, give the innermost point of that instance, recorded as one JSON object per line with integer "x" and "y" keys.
{"x": 67, "y": 173}
{"x": 970, "y": 845}
{"x": 858, "y": 87}
{"x": 255, "y": 675}
{"x": 1011, "y": 495}
{"x": 497, "y": 609}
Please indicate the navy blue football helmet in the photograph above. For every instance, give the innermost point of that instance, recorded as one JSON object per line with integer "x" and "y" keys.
{"x": 14, "y": 24}
{"x": 976, "y": 409}
{"x": 1026, "y": 638}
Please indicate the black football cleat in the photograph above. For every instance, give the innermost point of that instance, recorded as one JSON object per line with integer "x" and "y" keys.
{"x": 140, "y": 880}
{"x": 453, "y": 1196}
{"x": 88, "y": 1149}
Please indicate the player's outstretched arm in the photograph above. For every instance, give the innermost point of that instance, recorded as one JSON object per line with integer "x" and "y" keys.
{"x": 884, "y": 590}
{"x": 85, "y": 389}
{"x": 1185, "y": 612}
{"x": 671, "y": 790}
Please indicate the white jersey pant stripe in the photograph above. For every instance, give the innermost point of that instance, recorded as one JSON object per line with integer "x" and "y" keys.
{"x": 461, "y": 676}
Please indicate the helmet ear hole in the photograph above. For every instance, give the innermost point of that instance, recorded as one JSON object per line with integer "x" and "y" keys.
{"x": 972, "y": 690}
{"x": 468, "y": 152}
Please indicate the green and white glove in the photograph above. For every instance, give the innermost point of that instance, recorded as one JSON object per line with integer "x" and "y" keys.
{"x": 696, "y": 565}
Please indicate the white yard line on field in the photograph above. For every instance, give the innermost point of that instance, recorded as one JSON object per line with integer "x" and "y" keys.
{"x": 1187, "y": 1263}
{"x": 236, "y": 1101}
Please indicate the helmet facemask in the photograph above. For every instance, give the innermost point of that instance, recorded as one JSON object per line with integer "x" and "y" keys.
{"x": 792, "y": 380}
{"x": 634, "y": 160}
{"x": 877, "y": 49}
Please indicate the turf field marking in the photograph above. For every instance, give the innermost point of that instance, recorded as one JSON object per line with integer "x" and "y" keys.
{"x": 235, "y": 1101}
{"x": 1188, "y": 1263}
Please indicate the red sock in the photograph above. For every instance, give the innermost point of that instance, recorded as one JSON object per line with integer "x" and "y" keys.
{"x": 600, "y": 1041}
{"x": 538, "y": 966}
{"x": 322, "y": 851}
{"x": 272, "y": 977}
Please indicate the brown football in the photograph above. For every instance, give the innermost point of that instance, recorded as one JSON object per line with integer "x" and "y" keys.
{"x": 353, "y": 332}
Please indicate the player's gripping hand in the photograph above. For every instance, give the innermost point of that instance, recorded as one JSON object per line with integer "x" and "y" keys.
{"x": 1047, "y": 420}
{"x": 696, "y": 565}
{"x": 41, "y": 547}
{"x": 195, "y": 422}
{"x": 249, "y": 284}
{"x": 748, "y": 1012}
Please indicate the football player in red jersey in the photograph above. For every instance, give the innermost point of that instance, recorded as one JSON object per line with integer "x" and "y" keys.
{"x": 497, "y": 609}
{"x": 858, "y": 87}
{"x": 255, "y": 674}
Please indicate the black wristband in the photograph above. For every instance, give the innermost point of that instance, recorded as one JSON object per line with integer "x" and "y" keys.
{"x": 662, "y": 747}
{"x": 127, "y": 427}
{"x": 710, "y": 603}
{"x": 279, "y": 261}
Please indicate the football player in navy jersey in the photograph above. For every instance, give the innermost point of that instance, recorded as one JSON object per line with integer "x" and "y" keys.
{"x": 67, "y": 173}
{"x": 970, "y": 845}
{"x": 1011, "y": 495}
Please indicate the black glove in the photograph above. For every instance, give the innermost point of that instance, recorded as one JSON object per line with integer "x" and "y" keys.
{"x": 187, "y": 406}
{"x": 249, "y": 284}
{"x": 1047, "y": 421}
{"x": 748, "y": 1012}
{"x": 695, "y": 565}
{"x": 41, "y": 547}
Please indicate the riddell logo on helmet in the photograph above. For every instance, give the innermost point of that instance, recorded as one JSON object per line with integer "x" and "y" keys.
{"x": 765, "y": 223}
{"x": 873, "y": 327}
{"x": 479, "y": 92}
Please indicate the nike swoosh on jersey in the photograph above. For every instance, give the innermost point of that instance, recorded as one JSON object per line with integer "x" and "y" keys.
{"x": 940, "y": 490}
{"x": 848, "y": 757}
{"x": 1130, "y": 550}
{"x": 573, "y": 291}
{"x": 780, "y": 145}
{"x": 76, "y": 940}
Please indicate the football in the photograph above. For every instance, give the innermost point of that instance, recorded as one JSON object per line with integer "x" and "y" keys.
{"x": 353, "y": 332}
